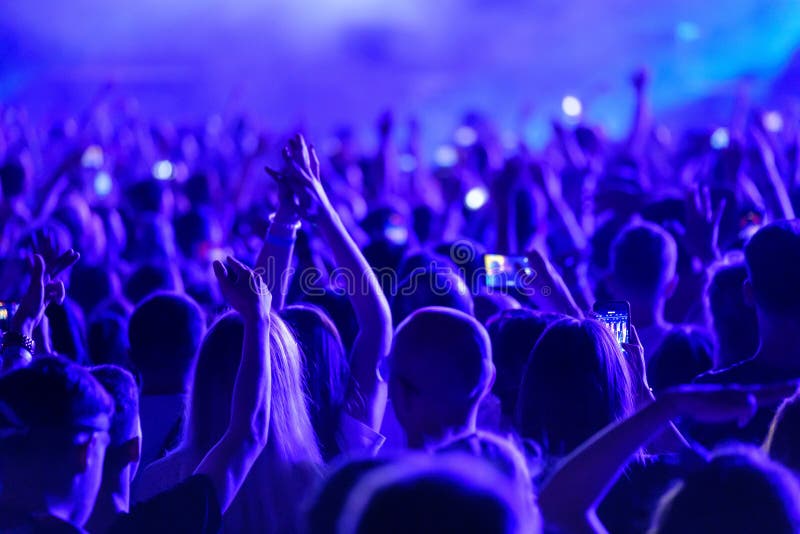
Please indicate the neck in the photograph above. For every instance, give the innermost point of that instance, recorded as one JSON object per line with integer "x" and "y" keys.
{"x": 112, "y": 499}
{"x": 647, "y": 312}
{"x": 780, "y": 341}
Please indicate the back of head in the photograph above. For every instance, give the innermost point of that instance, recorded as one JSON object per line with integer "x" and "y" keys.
{"x": 732, "y": 319}
{"x": 122, "y": 388}
{"x": 783, "y": 441}
{"x": 151, "y": 278}
{"x": 431, "y": 287}
{"x": 92, "y": 284}
{"x": 146, "y": 196}
{"x": 291, "y": 434}
{"x": 772, "y": 256}
{"x": 447, "y": 494}
{"x": 684, "y": 354}
{"x": 444, "y": 352}
{"x": 325, "y": 508}
{"x": 575, "y": 383}
{"x": 487, "y": 305}
{"x": 325, "y": 369}
{"x": 737, "y": 491}
{"x": 643, "y": 260}
{"x": 50, "y": 413}
{"x": 107, "y": 339}
{"x": 164, "y": 332}
{"x": 514, "y": 333}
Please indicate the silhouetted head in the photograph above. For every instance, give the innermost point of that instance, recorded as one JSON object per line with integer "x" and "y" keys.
{"x": 737, "y": 491}
{"x": 514, "y": 333}
{"x": 325, "y": 370}
{"x": 643, "y": 262}
{"x": 684, "y": 354}
{"x": 576, "y": 382}
{"x": 54, "y": 430}
{"x": 772, "y": 256}
{"x": 440, "y": 369}
{"x": 449, "y": 493}
{"x": 732, "y": 319}
{"x": 431, "y": 287}
{"x": 164, "y": 334}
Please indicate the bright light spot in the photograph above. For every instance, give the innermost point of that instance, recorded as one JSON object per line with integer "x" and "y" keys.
{"x": 687, "y": 31}
{"x": 162, "y": 170}
{"x": 571, "y": 106}
{"x": 720, "y": 138}
{"x": 407, "y": 163}
{"x": 476, "y": 198}
{"x": 465, "y": 136}
{"x": 92, "y": 157}
{"x": 102, "y": 184}
{"x": 773, "y": 122}
{"x": 445, "y": 156}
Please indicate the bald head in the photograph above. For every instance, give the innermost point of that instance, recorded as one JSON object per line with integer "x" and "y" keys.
{"x": 444, "y": 353}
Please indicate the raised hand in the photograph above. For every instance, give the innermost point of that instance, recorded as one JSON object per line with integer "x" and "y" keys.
{"x": 244, "y": 290}
{"x": 287, "y": 212}
{"x": 702, "y": 224}
{"x": 42, "y": 290}
{"x": 303, "y": 176}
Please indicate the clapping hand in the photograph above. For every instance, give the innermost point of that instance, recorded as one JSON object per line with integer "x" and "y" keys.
{"x": 244, "y": 290}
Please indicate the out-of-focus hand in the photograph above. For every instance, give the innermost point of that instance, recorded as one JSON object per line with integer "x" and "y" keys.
{"x": 287, "y": 212}
{"x": 41, "y": 292}
{"x": 719, "y": 404}
{"x": 702, "y": 224}
{"x": 244, "y": 290}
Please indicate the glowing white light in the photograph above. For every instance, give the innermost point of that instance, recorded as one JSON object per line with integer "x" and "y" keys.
{"x": 102, "y": 184}
{"x": 773, "y": 121}
{"x": 162, "y": 170}
{"x": 445, "y": 156}
{"x": 720, "y": 138}
{"x": 407, "y": 163}
{"x": 571, "y": 106}
{"x": 92, "y": 157}
{"x": 476, "y": 198}
{"x": 687, "y": 31}
{"x": 465, "y": 136}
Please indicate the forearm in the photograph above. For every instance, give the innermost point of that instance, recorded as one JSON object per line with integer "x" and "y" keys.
{"x": 251, "y": 393}
{"x": 275, "y": 259}
{"x": 366, "y": 396}
{"x": 587, "y": 474}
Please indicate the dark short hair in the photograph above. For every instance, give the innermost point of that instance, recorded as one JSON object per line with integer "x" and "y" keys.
{"x": 121, "y": 385}
{"x": 773, "y": 256}
{"x": 684, "y": 354}
{"x": 733, "y": 320}
{"x": 12, "y": 179}
{"x": 148, "y": 279}
{"x": 51, "y": 394}
{"x": 643, "y": 258}
{"x": 165, "y": 332}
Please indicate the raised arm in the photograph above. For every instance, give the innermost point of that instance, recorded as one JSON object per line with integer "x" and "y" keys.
{"x": 366, "y": 393}
{"x": 275, "y": 258}
{"x": 230, "y": 460}
{"x": 569, "y": 499}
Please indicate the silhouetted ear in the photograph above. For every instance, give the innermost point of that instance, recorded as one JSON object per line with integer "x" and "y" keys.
{"x": 748, "y": 294}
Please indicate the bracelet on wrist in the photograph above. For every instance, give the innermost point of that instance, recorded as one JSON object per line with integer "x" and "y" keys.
{"x": 12, "y": 339}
